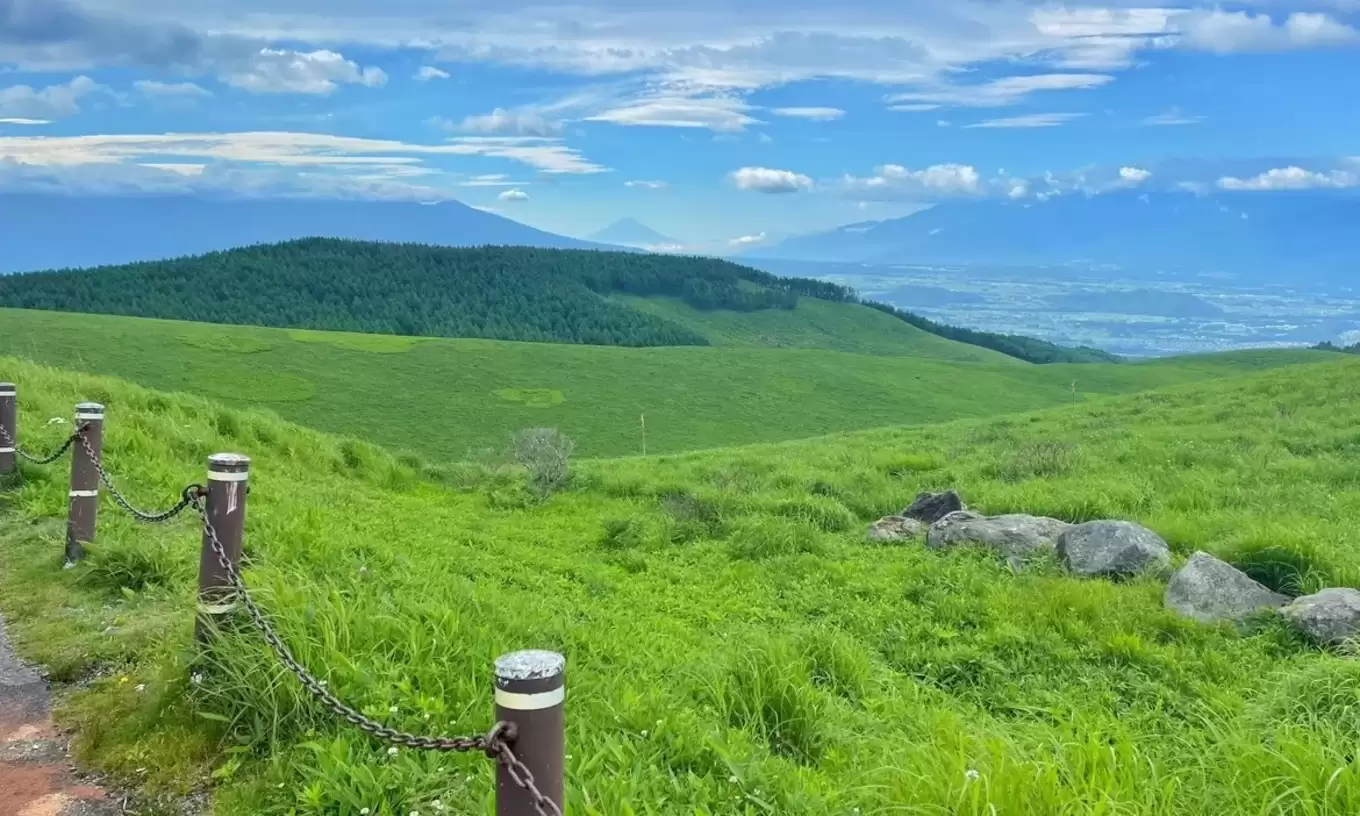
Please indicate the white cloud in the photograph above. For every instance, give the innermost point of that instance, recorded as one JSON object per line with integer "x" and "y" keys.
{"x": 647, "y": 185}
{"x": 489, "y": 180}
{"x": 1292, "y": 178}
{"x": 1226, "y": 32}
{"x": 428, "y": 72}
{"x": 382, "y": 159}
{"x": 171, "y": 89}
{"x": 895, "y": 181}
{"x": 720, "y": 113}
{"x": 915, "y": 107}
{"x": 275, "y": 70}
{"x": 53, "y": 102}
{"x": 513, "y": 195}
{"x": 998, "y": 92}
{"x": 1031, "y": 120}
{"x": 1134, "y": 176}
{"x": 748, "y": 240}
{"x": 815, "y": 114}
{"x": 1171, "y": 117}
{"x": 501, "y": 120}
{"x": 766, "y": 180}
{"x": 14, "y": 120}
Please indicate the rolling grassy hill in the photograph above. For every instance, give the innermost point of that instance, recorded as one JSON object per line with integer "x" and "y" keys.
{"x": 441, "y": 398}
{"x": 735, "y": 647}
{"x": 492, "y": 292}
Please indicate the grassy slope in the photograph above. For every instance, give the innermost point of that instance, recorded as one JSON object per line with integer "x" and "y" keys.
{"x": 735, "y": 646}
{"x": 442, "y": 397}
{"x": 817, "y": 324}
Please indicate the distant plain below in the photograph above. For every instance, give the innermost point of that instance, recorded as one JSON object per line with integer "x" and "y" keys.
{"x": 1127, "y": 313}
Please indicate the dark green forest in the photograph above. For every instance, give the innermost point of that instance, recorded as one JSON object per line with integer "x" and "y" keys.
{"x": 1328, "y": 345}
{"x": 500, "y": 293}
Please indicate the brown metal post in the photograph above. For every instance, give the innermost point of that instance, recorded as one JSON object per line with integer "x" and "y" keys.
{"x": 9, "y": 427}
{"x": 531, "y": 695}
{"x": 83, "y": 506}
{"x": 228, "y": 475}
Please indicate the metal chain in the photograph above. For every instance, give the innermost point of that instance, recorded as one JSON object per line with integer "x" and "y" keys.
{"x": 43, "y": 460}
{"x": 495, "y": 744}
{"x": 186, "y": 496}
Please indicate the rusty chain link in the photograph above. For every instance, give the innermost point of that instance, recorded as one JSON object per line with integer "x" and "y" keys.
{"x": 186, "y": 496}
{"x": 43, "y": 460}
{"x": 496, "y": 743}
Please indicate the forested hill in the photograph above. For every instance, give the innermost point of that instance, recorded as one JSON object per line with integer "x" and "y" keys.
{"x": 503, "y": 293}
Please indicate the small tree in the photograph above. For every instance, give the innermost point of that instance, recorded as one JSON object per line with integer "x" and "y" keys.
{"x": 545, "y": 453}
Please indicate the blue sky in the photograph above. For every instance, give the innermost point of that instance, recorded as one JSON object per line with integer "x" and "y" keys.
{"x": 719, "y": 124}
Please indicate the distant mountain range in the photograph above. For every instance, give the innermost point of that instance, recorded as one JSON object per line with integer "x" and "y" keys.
{"x": 632, "y": 233}
{"x": 54, "y": 231}
{"x": 1309, "y": 234}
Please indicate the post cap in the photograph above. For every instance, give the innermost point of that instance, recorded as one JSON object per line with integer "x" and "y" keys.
{"x": 228, "y": 462}
{"x": 7, "y": 386}
{"x": 531, "y": 664}
{"x": 90, "y": 407}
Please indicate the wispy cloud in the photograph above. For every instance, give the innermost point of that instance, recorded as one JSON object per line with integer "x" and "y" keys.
{"x": 723, "y": 113}
{"x": 501, "y": 120}
{"x": 14, "y": 120}
{"x": 1170, "y": 118}
{"x": 1031, "y": 120}
{"x": 748, "y": 240}
{"x": 767, "y": 180}
{"x": 183, "y": 90}
{"x": 998, "y": 92}
{"x": 892, "y": 181}
{"x": 815, "y": 114}
{"x": 646, "y": 185}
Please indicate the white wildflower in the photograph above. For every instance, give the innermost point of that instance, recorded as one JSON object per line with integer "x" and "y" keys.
{"x": 392, "y": 751}
{"x": 971, "y": 775}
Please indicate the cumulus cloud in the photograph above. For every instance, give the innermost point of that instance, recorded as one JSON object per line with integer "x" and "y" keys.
{"x": 428, "y": 72}
{"x": 1134, "y": 175}
{"x": 646, "y": 185}
{"x": 1227, "y": 32}
{"x": 501, "y": 120}
{"x": 515, "y": 195}
{"x": 53, "y": 102}
{"x": 815, "y": 114}
{"x": 895, "y": 181}
{"x": 186, "y": 90}
{"x": 1032, "y": 120}
{"x": 1292, "y": 178}
{"x": 278, "y": 70}
{"x": 766, "y": 180}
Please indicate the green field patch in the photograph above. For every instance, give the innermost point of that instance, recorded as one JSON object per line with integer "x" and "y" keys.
{"x": 251, "y": 385}
{"x": 230, "y": 343}
{"x": 371, "y": 343}
{"x": 532, "y": 397}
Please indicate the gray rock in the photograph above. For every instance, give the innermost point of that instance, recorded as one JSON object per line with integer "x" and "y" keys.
{"x": 896, "y": 528}
{"x": 1112, "y": 549}
{"x": 1210, "y": 590}
{"x": 1332, "y": 616}
{"x": 1013, "y": 536}
{"x": 931, "y": 507}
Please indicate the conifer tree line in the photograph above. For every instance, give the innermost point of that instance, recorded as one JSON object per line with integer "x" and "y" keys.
{"x": 493, "y": 292}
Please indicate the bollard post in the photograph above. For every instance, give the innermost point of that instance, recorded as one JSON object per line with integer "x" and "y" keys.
{"x": 228, "y": 475}
{"x": 531, "y": 695}
{"x": 9, "y": 428}
{"x": 83, "y": 506}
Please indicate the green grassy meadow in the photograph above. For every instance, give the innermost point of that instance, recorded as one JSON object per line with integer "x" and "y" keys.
{"x": 441, "y": 398}
{"x": 734, "y": 645}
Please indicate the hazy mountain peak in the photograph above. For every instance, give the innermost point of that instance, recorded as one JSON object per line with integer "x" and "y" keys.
{"x": 631, "y": 232}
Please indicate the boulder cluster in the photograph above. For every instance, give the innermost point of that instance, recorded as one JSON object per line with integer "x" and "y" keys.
{"x": 1204, "y": 588}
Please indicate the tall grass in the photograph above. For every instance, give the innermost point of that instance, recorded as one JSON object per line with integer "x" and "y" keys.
{"x": 734, "y": 646}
